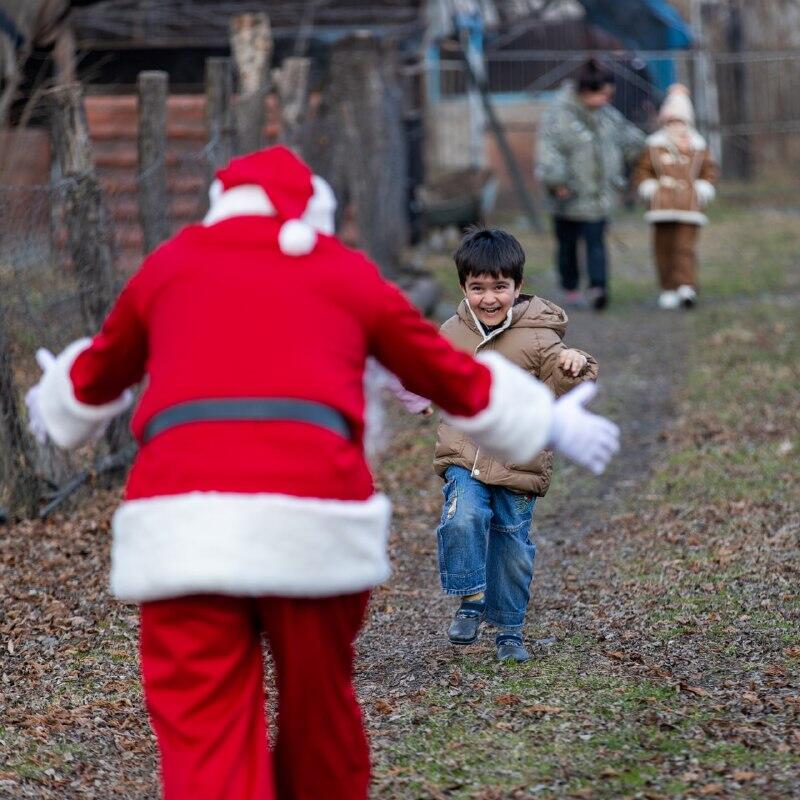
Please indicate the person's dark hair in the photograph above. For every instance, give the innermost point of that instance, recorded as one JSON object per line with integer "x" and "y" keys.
{"x": 489, "y": 251}
{"x": 593, "y": 76}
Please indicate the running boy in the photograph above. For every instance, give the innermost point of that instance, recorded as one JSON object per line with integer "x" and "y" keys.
{"x": 485, "y": 551}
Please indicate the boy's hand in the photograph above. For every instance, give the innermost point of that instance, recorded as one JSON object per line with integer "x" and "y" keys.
{"x": 572, "y": 362}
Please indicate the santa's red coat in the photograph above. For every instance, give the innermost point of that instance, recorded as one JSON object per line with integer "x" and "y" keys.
{"x": 259, "y": 508}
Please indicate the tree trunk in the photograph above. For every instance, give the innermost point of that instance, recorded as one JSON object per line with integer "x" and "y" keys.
{"x": 291, "y": 81}
{"x": 153, "y": 189}
{"x": 251, "y": 45}
{"x": 88, "y": 229}
{"x": 369, "y": 101}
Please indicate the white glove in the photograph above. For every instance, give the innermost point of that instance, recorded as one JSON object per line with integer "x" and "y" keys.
{"x": 583, "y": 437}
{"x": 45, "y": 359}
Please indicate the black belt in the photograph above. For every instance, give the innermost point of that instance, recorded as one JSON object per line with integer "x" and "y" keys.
{"x": 274, "y": 409}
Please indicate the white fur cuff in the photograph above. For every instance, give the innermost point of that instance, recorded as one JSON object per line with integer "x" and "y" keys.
{"x": 648, "y": 189}
{"x": 515, "y": 425}
{"x": 705, "y": 191}
{"x": 248, "y": 545}
{"x": 70, "y": 423}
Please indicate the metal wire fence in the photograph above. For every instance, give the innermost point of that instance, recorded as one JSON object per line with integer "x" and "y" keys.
{"x": 41, "y": 301}
{"x": 749, "y": 108}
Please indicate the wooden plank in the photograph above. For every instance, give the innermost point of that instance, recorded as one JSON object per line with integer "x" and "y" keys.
{"x": 153, "y": 189}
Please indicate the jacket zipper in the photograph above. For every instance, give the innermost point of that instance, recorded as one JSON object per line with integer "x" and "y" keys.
{"x": 475, "y": 472}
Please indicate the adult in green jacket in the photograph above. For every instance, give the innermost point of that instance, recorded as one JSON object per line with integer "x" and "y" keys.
{"x": 584, "y": 146}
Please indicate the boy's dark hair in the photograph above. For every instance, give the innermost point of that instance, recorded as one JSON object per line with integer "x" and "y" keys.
{"x": 593, "y": 76}
{"x": 489, "y": 251}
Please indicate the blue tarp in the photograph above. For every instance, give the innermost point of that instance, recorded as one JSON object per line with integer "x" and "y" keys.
{"x": 643, "y": 25}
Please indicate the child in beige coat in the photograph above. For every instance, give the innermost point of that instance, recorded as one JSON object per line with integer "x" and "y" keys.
{"x": 675, "y": 176}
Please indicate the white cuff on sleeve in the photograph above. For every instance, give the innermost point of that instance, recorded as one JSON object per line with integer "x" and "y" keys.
{"x": 515, "y": 426}
{"x": 69, "y": 422}
{"x": 705, "y": 191}
{"x": 648, "y": 188}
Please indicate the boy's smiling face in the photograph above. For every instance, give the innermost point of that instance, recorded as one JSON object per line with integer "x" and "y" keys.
{"x": 490, "y": 297}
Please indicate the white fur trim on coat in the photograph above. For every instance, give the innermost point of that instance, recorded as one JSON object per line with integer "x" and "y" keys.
{"x": 248, "y": 545}
{"x": 69, "y": 422}
{"x": 705, "y": 191}
{"x": 648, "y": 188}
{"x": 675, "y": 215}
{"x": 516, "y": 424}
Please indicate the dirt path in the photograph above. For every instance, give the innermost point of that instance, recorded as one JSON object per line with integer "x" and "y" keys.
{"x": 403, "y": 649}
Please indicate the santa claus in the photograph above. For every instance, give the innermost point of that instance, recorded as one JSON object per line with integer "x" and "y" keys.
{"x": 250, "y": 508}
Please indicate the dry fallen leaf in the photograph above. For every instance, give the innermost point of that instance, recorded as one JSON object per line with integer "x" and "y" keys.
{"x": 508, "y": 700}
{"x": 793, "y": 652}
{"x": 743, "y": 775}
{"x": 383, "y": 706}
{"x": 710, "y": 789}
{"x": 617, "y": 655}
{"x": 608, "y": 772}
{"x": 696, "y": 690}
{"x": 542, "y": 708}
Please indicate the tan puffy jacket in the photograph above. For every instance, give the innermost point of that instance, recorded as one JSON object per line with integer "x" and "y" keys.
{"x": 533, "y": 340}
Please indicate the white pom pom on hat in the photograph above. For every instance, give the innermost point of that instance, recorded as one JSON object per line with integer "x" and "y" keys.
{"x": 296, "y": 238}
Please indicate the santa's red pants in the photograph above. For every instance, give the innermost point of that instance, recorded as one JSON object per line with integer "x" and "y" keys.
{"x": 203, "y": 678}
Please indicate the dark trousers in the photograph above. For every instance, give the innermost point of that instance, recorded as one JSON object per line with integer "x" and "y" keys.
{"x": 568, "y": 233}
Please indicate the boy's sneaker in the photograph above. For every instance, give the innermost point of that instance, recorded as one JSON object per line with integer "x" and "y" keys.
{"x": 466, "y": 622}
{"x": 687, "y": 296}
{"x": 669, "y": 300}
{"x": 511, "y": 648}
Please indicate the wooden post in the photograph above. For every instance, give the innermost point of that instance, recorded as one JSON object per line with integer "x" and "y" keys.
{"x": 291, "y": 81}
{"x": 153, "y": 189}
{"x": 22, "y": 483}
{"x": 88, "y": 229}
{"x": 251, "y": 45}
{"x": 220, "y": 128}
{"x": 366, "y": 92}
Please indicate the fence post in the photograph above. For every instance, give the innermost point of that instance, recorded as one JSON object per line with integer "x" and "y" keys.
{"x": 23, "y": 483}
{"x": 88, "y": 229}
{"x": 153, "y": 189}
{"x": 374, "y": 148}
{"x": 291, "y": 81}
{"x": 251, "y": 45}
{"x": 220, "y": 129}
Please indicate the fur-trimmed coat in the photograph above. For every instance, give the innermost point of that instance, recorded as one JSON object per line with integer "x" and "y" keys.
{"x": 676, "y": 182}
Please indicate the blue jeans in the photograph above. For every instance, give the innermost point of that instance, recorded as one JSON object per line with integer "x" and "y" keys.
{"x": 484, "y": 546}
{"x": 568, "y": 234}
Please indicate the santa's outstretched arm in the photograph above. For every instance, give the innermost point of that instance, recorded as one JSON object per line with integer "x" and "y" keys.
{"x": 497, "y": 404}
{"x": 87, "y": 385}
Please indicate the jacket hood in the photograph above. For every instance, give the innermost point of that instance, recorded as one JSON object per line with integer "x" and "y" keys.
{"x": 528, "y": 312}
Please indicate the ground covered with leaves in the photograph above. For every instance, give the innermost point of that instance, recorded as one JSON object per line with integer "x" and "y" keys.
{"x": 666, "y": 610}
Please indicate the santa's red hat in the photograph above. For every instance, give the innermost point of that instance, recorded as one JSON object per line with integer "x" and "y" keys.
{"x": 276, "y": 183}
